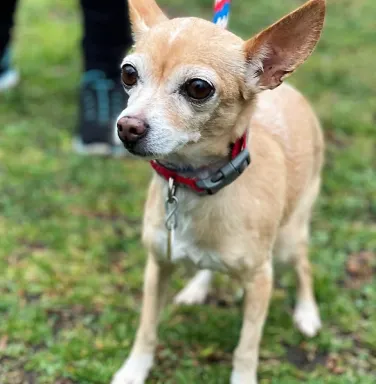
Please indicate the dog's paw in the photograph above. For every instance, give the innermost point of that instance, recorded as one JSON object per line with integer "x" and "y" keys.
{"x": 196, "y": 290}
{"x": 242, "y": 378}
{"x": 307, "y": 318}
{"x": 135, "y": 370}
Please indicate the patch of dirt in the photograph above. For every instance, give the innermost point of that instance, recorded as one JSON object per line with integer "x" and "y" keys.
{"x": 359, "y": 348}
{"x": 31, "y": 297}
{"x": 12, "y": 372}
{"x": 177, "y": 350}
{"x": 305, "y": 360}
{"x": 33, "y": 245}
{"x": 333, "y": 363}
{"x": 360, "y": 269}
{"x": 67, "y": 318}
{"x": 18, "y": 375}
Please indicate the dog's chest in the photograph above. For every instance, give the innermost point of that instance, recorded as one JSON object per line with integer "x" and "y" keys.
{"x": 184, "y": 245}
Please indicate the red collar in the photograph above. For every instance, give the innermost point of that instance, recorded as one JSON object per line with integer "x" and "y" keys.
{"x": 240, "y": 159}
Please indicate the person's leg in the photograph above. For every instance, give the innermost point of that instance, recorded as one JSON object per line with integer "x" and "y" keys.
{"x": 8, "y": 76}
{"x": 107, "y": 37}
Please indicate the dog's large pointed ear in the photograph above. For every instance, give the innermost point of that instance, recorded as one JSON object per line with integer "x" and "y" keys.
{"x": 144, "y": 14}
{"x": 277, "y": 51}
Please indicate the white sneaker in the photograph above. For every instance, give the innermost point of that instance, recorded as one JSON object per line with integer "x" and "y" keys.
{"x": 8, "y": 79}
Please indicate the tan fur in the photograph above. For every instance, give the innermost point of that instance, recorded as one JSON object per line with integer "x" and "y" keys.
{"x": 264, "y": 212}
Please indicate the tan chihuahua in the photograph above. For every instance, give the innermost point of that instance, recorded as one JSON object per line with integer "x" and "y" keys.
{"x": 237, "y": 164}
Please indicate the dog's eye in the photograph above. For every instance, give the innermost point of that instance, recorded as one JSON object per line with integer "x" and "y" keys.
{"x": 198, "y": 89}
{"x": 129, "y": 75}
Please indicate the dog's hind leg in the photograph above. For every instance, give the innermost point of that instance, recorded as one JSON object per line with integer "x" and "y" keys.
{"x": 306, "y": 313}
{"x": 292, "y": 246}
{"x": 197, "y": 289}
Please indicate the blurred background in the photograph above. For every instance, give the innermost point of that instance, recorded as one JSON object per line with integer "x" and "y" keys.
{"x": 70, "y": 256}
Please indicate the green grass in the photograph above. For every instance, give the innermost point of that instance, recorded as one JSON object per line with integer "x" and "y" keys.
{"x": 70, "y": 257}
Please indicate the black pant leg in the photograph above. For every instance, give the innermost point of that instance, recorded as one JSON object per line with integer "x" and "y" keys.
{"x": 107, "y": 34}
{"x": 7, "y": 11}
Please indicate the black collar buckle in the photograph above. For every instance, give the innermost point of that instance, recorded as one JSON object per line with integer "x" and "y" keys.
{"x": 225, "y": 175}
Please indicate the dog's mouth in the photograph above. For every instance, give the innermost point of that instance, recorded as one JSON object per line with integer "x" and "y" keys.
{"x": 159, "y": 151}
{"x": 142, "y": 151}
{"x": 143, "y": 154}
{"x": 139, "y": 150}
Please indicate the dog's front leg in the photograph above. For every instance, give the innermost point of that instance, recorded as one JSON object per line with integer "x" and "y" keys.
{"x": 136, "y": 368}
{"x": 257, "y": 292}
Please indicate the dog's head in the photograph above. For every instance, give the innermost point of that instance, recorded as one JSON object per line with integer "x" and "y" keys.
{"x": 192, "y": 84}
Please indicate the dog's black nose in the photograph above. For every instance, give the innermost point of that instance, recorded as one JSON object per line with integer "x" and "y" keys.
{"x": 131, "y": 129}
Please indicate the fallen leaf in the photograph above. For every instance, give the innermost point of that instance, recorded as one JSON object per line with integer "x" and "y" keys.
{"x": 360, "y": 267}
